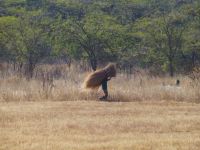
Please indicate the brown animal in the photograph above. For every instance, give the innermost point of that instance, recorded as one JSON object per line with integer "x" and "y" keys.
{"x": 95, "y": 79}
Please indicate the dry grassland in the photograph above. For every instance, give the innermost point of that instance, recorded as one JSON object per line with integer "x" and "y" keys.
{"x": 93, "y": 125}
{"x": 122, "y": 88}
{"x": 143, "y": 113}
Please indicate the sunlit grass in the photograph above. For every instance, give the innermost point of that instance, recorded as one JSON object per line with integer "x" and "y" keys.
{"x": 121, "y": 88}
{"x": 142, "y": 113}
{"x": 91, "y": 125}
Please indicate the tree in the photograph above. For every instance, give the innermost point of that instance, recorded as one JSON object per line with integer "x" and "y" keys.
{"x": 166, "y": 37}
{"x": 193, "y": 34}
{"x": 92, "y": 36}
{"x": 27, "y": 39}
{"x": 152, "y": 34}
{"x": 7, "y": 38}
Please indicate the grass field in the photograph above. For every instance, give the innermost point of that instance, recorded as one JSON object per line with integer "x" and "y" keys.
{"x": 94, "y": 125}
{"x": 143, "y": 113}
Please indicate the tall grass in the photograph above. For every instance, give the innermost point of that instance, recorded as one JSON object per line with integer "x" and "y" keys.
{"x": 61, "y": 83}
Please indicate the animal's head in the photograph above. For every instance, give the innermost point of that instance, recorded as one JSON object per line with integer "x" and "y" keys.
{"x": 111, "y": 70}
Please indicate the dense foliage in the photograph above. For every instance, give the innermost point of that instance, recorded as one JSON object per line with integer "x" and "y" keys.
{"x": 160, "y": 35}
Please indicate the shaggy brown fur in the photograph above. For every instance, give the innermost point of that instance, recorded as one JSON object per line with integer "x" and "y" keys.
{"x": 95, "y": 79}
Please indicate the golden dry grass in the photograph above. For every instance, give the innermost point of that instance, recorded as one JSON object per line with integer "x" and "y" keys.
{"x": 122, "y": 88}
{"x": 143, "y": 113}
{"x": 93, "y": 125}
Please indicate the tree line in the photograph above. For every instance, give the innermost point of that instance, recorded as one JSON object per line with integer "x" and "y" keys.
{"x": 162, "y": 36}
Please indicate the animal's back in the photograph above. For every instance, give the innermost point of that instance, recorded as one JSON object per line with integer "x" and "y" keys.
{"x": 95, "y": 79}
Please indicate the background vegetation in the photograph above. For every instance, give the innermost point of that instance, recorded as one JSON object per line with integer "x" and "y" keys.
{"x": 161, "y": 35}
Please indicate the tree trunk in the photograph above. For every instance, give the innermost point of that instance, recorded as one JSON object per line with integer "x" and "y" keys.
{"x": 193, "y": 58}
{"x": 30, "y": 70}
{"x": 31, "y": 66}
{"x": 171, "y": 67}
{"x": 93, "y": 63}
